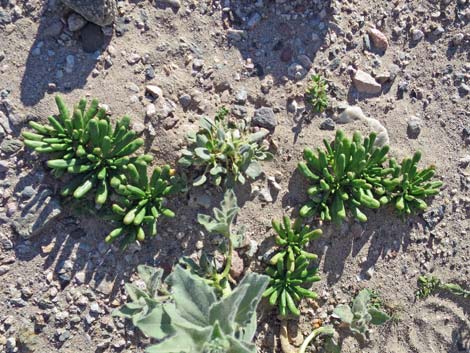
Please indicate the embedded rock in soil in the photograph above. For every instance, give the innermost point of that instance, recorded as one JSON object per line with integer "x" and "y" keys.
{"x": 264, "y": 117}
{"x": 378, "y": 38}
{"x": 100, "y": 12}
{"x": 35, "y": 217}
{"x": 365, "y": 83}
{"x": 92, "y": 38}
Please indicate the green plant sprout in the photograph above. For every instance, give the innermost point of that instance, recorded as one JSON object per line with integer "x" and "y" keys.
{"x": 428, "y": 285}
{"x": 289, "y": 270}
{"x": 317, "y": 94}
{"x": 225, "y": 151}
{"x": 222, "y": 224}
{"x": 141, "y": 202}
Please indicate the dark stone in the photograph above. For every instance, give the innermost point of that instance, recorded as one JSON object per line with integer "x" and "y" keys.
{"x": 100, "y": 12}
{"x": 264, "y": 117}
{"x": 149, "y": 73}
{"x": 287, "y": 54}
{"x": 92, "y": 38}
{"x": 327, "y": 124}
{"x": 434, "y": 216}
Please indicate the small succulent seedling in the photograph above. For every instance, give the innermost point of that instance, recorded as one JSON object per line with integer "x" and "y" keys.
{"x": 289, "y": 270}
{"x": 225, "y": 151}
{"x": 222, "y": 223}
{"x": 86, "y": 145}
{"x": 195, "y": 320}
{"x": 317, "y": 94}
{"x": 286, "y": 288}
{"x": 428, "y": 285}
{"x": 292, "y": 239}
{"x": 361, "y": 315}
{"x": 408, "y": 187}
{"x": 346, "y": 176}
{"x": 141, "y": 202}
{"x": 143, "y": 301}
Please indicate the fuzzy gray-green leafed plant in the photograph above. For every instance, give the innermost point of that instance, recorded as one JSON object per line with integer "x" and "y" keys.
{"x": 361, "y": 315}
{"x": 141, "y": 202}
{"x": 194, "y": 320}
{"x": 86, "y": 145}
{"x": 224, "y": 151}
{"x": 222, "y": 223}
{"x": 144, "y": 300}
{"x": 428, "y": 285}
{"x": 317, "y": 94}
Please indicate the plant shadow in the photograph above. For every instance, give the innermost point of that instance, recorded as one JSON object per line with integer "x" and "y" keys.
{"x": 60, "y": 60}
{"x": 272, "y": 44}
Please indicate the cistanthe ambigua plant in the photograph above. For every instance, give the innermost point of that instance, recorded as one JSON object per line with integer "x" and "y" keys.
{"x": 194, "y": 319}
{"x": 225, "y": 151}
{"x": 290, "y": 269}
{"x": 350, "y": 175}
{"x": 407, "y": 187}
{"x": 343, "y": 177}
{"x": 86, "y": 145}
{"x": 287, "y": 285}
{"x": 141, "y": 202}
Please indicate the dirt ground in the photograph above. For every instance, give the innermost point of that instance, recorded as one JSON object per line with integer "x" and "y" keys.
{"x": 59, "y": 287}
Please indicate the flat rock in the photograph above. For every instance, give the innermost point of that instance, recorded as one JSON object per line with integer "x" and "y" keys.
{"x": 36, "y": 216}
{"x": 264, "y": 117}
{"x": 11, "y": 146}
{"x": 100, "y": 12}
{"x": 365, "y": 83}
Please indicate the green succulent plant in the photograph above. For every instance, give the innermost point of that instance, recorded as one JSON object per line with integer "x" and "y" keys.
{"x": 361, "y": 315}
{"x": 224, "y": 151}
{"x": 408, "y": 187}
{"x": 141, "y": 201}
{"x": 286, "y": 287}
{"x": 428, "y": 285}
{"x": 87, "y": 146}
{"x": 317, "y": 94}
{"x": 345, "y": 177}
{"x": 292, "y": 239}
{"x": 195, "y": 320}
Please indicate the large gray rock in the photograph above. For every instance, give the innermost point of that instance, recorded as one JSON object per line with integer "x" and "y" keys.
{"x": 37, "y": 215}
{"x": 100, "y": 12}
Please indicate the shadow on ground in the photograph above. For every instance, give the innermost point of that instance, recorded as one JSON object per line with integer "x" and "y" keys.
{"x": 60, "y": 60}
{"x": 277, "y": 36}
